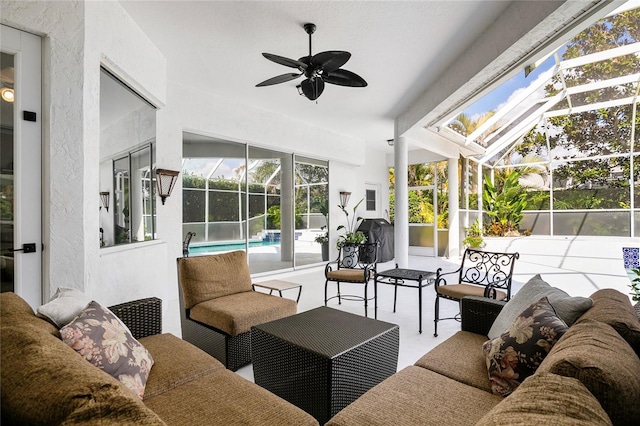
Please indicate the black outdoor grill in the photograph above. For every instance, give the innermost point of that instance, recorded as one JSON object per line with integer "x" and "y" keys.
{"x": 379, "y": 230}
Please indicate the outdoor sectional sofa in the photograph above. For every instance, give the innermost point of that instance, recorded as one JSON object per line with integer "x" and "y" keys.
{"x": 45, "y": 382}
{"x": 590, "y": 376}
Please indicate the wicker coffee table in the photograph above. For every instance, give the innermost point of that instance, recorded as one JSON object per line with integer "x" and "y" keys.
{"x": 323, "y": 359}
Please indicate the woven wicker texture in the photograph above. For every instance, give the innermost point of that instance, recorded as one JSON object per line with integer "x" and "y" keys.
{"x": 479, "y": 313}
{"x": 143, "y": 316}
{"x": 322, "y": 360}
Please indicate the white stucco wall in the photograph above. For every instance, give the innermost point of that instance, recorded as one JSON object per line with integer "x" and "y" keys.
{"x": 77, "y": 38}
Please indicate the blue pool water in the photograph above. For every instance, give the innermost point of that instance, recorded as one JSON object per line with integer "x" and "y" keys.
{"x": 213, "y": 248}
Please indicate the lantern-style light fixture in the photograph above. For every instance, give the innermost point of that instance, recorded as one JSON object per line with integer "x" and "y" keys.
{"x": 166, "y": 180}
{"x": 104, "y": 199}
{"x": 344, "y": 198}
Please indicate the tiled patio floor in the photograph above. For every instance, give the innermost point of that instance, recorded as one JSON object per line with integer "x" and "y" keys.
{"x": 578, "y": 265}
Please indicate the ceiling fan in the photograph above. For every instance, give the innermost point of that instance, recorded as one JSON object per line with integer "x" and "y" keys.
{"x": 318, "y": 69}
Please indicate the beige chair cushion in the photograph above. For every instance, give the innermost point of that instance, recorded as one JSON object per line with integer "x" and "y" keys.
{"x": 458, "y": 291}
{"x": 595, "y": 354}
{"x": 356, "y": 275}
{"x": 208, "y": 277}
{"x": 447, "y": 359}
{"x": 235, "y": 314}
{"x": 417, "y": 396}
{"x": 548, "y": 399}
{"x": 224, "y": 398}
{"x": 44, "y": 381}
{"x": 176, "y": 362}
{"x": 614, "y": 308}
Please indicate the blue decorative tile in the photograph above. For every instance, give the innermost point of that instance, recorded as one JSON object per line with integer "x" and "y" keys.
{"x": 631, "y": 257}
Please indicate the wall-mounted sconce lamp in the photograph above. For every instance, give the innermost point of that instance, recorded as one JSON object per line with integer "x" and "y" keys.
{"x": 166, "y": 180}
{"x": 104, "y": 200}
{"x": 7, "y": 93}
{"x": 390, "y": 142}
{"x": 344, "y": 198}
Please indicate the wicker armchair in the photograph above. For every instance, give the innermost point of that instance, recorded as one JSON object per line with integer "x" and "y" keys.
{"x": 220, "y": 306}
{"x": 482, "y": 273}
{"x": 355, "y": 264}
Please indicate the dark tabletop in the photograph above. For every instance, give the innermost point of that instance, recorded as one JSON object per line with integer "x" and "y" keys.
{"x": 326, "y": 331}
{"x": 406, "y": 274}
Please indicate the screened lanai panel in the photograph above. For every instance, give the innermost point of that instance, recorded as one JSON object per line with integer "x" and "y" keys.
{"x": 591, "y": 184}
{"x": 591, "y": 133}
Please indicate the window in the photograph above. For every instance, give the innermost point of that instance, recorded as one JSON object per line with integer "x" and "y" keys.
{"x": 370, "y": 197}
{"x": 127, "y": 157}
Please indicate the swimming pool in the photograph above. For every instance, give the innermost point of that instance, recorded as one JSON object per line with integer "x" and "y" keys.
{"x": 218, "y": 247}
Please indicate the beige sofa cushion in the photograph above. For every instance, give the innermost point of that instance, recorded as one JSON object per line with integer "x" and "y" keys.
{"x": 546, "y": 398}
{"x": 595, "y": 354}
{"x": 460, "y": 358}
{"x": 208, "y": 277}
{"x": 15, "y": 311}
{"x": 417, "y": 396}
{"x": 614, "y": 308}
{"x": 176, "y": 362}
{"x": 224, "y": 398}
{"x": 235, "y": 314}
{"x": 46, "y": 382}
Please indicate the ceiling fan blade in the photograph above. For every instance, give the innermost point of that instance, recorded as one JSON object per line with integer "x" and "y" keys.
{"x": 278, "y": 79}
{"x": 344, "y": 78}
{"x": 312, "y": 88}
{"x": 285, "y": 61}
{"x": 331, "y": 60}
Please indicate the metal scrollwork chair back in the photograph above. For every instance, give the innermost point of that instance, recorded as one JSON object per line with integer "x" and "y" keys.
{"x": 482, "y": 273}
{"x": 355, "y": 264}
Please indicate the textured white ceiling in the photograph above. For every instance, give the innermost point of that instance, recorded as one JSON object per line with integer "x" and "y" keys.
{"x": 398, "y": 47}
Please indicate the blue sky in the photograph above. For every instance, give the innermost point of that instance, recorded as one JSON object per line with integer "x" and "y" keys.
{"x": 502, "y": 93}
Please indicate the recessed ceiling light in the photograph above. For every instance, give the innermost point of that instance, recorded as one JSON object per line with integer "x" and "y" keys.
{"x": 7, "y": 94}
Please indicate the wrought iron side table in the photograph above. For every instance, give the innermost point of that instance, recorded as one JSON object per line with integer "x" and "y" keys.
{"x": 413, "y": 278}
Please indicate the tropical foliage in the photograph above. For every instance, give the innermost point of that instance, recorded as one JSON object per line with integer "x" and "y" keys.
{"x": 504, "y": 204}
{"x": 351, "y": 235}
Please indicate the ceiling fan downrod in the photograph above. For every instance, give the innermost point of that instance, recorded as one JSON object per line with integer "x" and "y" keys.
{"x": 310, "y": 29}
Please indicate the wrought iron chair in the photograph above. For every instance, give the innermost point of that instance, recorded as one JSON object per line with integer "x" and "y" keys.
{"x": 355, "y": 264}
{"x": 482, "y": 273}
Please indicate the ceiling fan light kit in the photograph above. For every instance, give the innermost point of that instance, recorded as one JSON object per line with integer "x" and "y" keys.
{"x": 318, "y": 69}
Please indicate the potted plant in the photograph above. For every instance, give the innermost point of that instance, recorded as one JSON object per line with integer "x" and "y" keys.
{"x": 323, "y": 240}
{"x": 473, "y": 236}
{"x": 352, "y": 238}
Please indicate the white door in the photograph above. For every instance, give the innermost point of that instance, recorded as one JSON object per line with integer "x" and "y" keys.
{"x": 20, "y": 165}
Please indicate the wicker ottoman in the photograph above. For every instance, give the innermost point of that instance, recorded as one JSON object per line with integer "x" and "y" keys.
{"x": 324, "y": 359}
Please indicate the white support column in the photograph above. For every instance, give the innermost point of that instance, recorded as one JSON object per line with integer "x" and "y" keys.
{"x": 454, "y": 221}
{"x": 401, "y": 221}
{"x": 287, "y": 218}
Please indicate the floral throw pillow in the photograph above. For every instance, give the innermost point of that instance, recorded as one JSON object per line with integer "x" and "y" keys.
{"x": 517, "y": 352}
{"x": 99, "y": 336}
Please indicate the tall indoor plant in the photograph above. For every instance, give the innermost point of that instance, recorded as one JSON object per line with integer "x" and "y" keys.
{"x": 351, "y": 237}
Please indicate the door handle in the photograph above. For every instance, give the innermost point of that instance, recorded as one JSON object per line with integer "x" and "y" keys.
{"x": 26, "y": 248}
